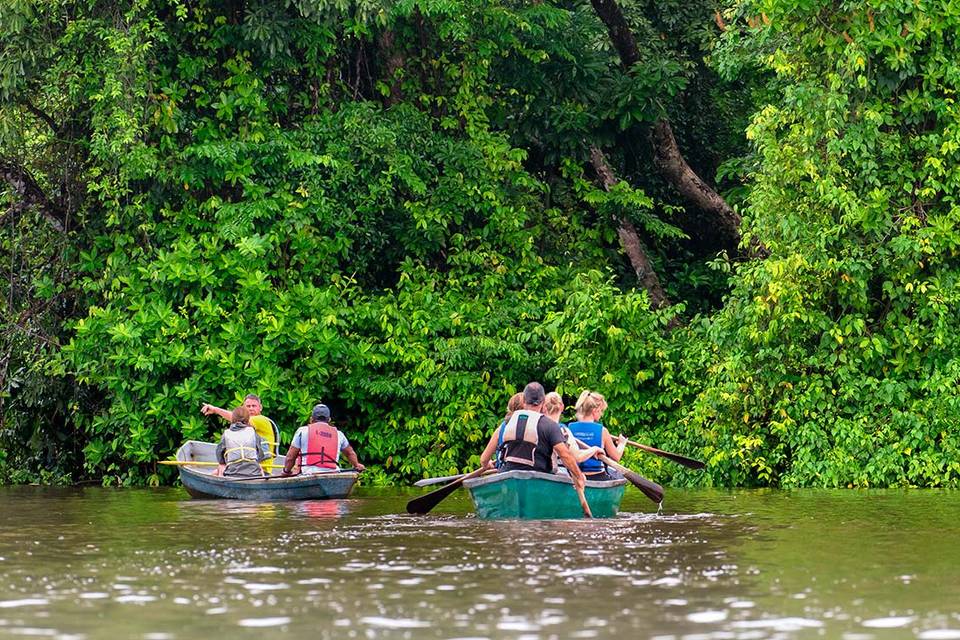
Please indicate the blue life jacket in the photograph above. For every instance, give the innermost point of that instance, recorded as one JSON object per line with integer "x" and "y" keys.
{"x": 496, "y": 457}
{"x": 591, "y": 434}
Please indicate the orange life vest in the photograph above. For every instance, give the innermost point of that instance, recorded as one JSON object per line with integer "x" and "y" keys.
{"x": 323, "y": 446}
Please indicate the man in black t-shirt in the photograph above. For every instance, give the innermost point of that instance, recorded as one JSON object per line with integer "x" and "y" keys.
{"x": 526, "y": 452}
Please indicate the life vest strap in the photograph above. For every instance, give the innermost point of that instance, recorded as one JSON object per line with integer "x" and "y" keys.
{"x": 243, "y": 454}
{"x": 323, "y": 446}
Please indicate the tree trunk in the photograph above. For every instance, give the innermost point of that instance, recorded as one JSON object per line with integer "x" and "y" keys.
{"x": 393, "y": 65}
{"x": 677, "y": 172}
{"x": 27, "y": 194}
{"x": 667, "y": 156}
{"x": 630, "y": 239}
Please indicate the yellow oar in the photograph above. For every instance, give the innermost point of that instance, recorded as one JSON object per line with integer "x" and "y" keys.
{"x": 188, "y": 463}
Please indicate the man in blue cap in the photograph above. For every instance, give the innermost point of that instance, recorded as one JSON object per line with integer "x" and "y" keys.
{"x": 316, "y": 447}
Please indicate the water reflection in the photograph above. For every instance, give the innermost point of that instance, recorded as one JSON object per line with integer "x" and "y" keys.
{"x": 745, "y": 565}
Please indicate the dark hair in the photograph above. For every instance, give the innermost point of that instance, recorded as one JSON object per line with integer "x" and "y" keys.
{"x": 533, "y": 394}
{"x": 241, "y": 415}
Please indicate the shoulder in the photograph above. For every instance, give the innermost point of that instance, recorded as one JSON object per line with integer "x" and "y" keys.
{"x": 546, "y": 425}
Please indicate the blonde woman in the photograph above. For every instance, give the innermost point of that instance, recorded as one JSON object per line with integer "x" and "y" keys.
{"x": 553, "y": 408}
{"x": 589, "y": 430}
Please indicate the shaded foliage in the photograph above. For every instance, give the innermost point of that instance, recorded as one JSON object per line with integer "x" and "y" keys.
{"x": 390, "y": 207}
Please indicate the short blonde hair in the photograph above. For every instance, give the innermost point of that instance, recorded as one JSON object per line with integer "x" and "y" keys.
{"x": 553, "y": 404}
{"x": 588, "y": 402}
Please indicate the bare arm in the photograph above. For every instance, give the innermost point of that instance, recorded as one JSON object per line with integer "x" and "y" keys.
{"x": 612, "y": 450}
{"x": 351, "y": 455}
{"x": 584, "y": 454}
{"x": 487, "y": 456}
{"x": 293, "y": 454}
{"x": 207, "y": 409}
{"x": 563, "y": 452}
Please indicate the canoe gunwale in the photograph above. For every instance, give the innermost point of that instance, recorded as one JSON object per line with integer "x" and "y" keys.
{"x": 519, "y": 474}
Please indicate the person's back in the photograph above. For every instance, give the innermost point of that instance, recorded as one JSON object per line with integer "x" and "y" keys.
{"x": 590, "y": 434}
{"x": 528, "y": 440}
{"x": 590, "y": 431}
{"x": 491, "y": 453}
{"x": 316, "y": 447}
{"x": 240, "y": 449}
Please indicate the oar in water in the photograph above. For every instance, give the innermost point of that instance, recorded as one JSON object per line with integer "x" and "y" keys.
{"x": 649, "y": 488}
{"x": 583, "y": 503}
{"x": 426, "y": 482}
{"x": 676, "y": 457}
{"x": 428, "y": 501}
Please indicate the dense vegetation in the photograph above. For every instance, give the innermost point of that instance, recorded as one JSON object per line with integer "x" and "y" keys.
{"x": 738, "y": 222}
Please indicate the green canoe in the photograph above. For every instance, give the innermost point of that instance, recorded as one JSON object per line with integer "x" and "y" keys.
{"x": 535, "y": 495}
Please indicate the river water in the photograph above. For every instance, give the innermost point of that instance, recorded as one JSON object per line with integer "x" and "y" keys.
{"x": 153, "y": 564}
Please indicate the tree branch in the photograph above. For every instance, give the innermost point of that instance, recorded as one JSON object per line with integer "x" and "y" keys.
{"x": 629, "y": 238}
{"x": 28, "y": 194}
{"x": 674, "y": 168}
{"x": 43, "y": 116}
{"x": 667, "y": 155}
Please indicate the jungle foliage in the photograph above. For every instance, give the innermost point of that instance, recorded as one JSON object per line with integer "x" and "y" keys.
{"x": 408, "y": 209}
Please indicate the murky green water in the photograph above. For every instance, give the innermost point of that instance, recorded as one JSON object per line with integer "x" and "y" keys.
{"x": 153, "y": 564}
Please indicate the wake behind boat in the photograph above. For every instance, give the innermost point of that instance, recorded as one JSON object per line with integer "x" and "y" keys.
{"x": 537, "y": 495}
{"x": 200, "y": 482}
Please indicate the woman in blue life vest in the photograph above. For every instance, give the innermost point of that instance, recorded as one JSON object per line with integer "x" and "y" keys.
{"x": 588, "y": 430}
{"x": 487, "y": 459}
{"x": 553, "y": 409}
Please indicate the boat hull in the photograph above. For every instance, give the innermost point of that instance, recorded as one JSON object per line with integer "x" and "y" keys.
{"x": 536, "y": 495}
{"x": 200, "y": 482}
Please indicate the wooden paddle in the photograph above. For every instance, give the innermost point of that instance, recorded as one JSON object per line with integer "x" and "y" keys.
{"x": 428, "y": 501}
{"x": 583, "y": 503}
{"x": 649, "y": 488}
{"x": 676, "y": 457}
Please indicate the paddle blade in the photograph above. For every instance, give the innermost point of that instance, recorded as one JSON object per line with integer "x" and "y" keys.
{"x": 649, "y": 488}
{"x": 425, "y": 503}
